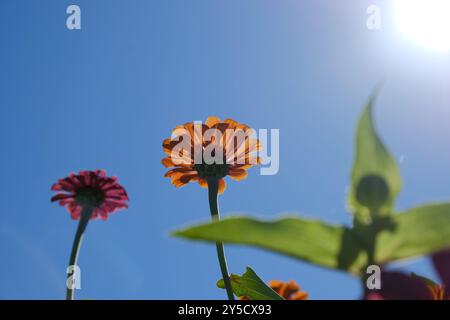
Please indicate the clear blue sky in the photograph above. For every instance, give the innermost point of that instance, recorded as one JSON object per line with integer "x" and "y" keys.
{"x": 107, "y": 95}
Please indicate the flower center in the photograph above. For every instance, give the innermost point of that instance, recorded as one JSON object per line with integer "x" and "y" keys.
{"x": 212, "y": 170}
{"x": 90, "y": 197}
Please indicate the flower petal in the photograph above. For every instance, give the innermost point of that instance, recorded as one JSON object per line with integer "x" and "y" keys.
{"x": 178, "y": 170}
{"x": 75, "y": 211}
{"x": 231, "y": 122}
{"x": 189, "y": 177}
{"x": 168, "y": 146}
{"x": 222, "y": 186}
{"x": 109, "y": 194}
{"x": 61, "y": 196}
{"x": 167, "y": 162}
{"x": 288, "y": 290}
{"x": 183, "y": 179}
{"x": 237, "y": 174}
{"x": 202, "y": 183}
{"x": 211, "y": 121}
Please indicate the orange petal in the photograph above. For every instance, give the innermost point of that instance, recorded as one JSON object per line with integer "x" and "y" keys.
{"x": 168, "y": 146}
{"x": 177, "y": 183}
{"x": 222, "y": 186}
{"x": 300, "y": 295}
{"x": 190, "y": 129}
{"x": 180, "y": 131}
{"x": 202, "y": 183}
{"x": 249, "y": 131}
{"x": 222, "y": 127}
{"x": 232, "y": 122}
{"x": 291, "y": 288}
{"x": 182, "y": 170}
{"x": 211, "y": 121}
{"x": 275, "y": 284}
{"x": 234, "y": 138}
{"x": 241, "y": 166}
{"x": 189, "y": 177}
{"x": 167, "y": 162}
{"x": 199, "y": 132}
{"x": 255, "y": 145}
{"x": 166, "y": 142}
{"x": 250, "y": 147}
{"x": 182, "y": 179}
{"x": 237, "y": 174}
{"x": 248, "y": 163}
{"x": 284, "y": 289}
{"x": 181, "y": 155}
{"x": 256, "y": 161}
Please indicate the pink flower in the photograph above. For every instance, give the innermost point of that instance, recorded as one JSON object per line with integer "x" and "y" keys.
{"x": 90, "y": 190}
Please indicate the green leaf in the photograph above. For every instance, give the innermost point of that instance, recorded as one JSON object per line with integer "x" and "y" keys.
{"x": 416, "y": 232}
{"x": 313, "y": 241}
{"x": 250, "y": 285}
{"x": 376, "y": 179}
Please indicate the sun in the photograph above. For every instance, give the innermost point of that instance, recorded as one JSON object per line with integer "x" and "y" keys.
{"x": 425, "y": 22}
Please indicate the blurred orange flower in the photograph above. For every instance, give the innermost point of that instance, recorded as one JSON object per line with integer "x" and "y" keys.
{"x": 229, "y": 145}
{"x": 438, "y": 292}
{"x": 287, "y": 290}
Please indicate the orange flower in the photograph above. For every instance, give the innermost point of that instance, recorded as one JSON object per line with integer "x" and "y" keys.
{"x": 287, "y": 290}
{"x": 197, "y": 152}
{"x": 438, "y": 292}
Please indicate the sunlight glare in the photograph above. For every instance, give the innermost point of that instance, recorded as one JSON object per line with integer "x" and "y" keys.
{"x": 425, "y": 22}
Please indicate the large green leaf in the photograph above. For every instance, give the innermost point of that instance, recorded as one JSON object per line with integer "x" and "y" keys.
{"x": 376, "y": 178}
{"x": 313, "y": 241}
{"x": 419, "y": 231}
{"x": 251, "y": 286}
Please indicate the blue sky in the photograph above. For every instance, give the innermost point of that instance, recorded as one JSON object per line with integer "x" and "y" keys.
{"x": 107, "y": 95}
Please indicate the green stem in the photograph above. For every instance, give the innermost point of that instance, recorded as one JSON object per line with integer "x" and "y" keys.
{"x": 213, "y": 191}
{"x": 376, "y": 225}
{"x": 84, "y": 219}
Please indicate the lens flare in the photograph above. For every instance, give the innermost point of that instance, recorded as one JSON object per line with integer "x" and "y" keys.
{"x": 425, "y": 22}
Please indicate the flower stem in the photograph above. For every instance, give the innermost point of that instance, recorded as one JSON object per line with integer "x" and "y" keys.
{"x": 84, "y": 219}
{"x": 213, "y": 190}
